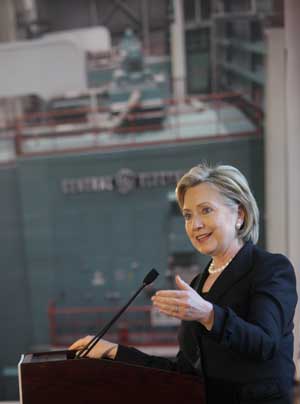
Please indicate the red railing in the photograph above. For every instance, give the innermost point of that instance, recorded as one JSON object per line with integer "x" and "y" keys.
{"x": 85, "y": 128}
{"x": 139, "y": 325}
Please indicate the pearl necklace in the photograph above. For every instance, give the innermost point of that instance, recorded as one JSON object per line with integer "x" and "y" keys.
{"x": 212, "y": 270}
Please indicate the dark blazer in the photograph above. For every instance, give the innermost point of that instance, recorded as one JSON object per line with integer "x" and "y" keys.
{"x": 247, "y": 357}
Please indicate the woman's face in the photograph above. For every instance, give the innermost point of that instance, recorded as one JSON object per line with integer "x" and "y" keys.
{"x": 210, "y": 223}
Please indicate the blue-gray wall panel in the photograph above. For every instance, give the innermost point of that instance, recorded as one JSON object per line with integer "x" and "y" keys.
{"x": 71, "y": 238}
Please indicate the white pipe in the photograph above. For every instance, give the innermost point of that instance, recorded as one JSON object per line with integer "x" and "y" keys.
{"x": 30, "y": 9}
{"x": 178, "y": 51}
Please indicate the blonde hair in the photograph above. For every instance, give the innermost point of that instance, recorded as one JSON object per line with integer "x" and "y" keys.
{"x": 235, "y": 189}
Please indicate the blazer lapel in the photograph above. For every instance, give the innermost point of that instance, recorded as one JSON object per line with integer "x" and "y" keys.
{"x": 239, "y": 267}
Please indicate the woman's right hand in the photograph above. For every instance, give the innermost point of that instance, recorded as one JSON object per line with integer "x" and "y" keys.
{"x": 103, "y": 348}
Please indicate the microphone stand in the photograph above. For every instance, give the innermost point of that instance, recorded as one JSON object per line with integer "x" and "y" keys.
{"x": 84, "y": 351}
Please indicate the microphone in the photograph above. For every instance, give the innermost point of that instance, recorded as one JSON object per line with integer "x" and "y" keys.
{"x": 149, "y": 278}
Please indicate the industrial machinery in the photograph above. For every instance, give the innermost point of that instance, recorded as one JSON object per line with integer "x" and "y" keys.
{"x": 137, "y": 95}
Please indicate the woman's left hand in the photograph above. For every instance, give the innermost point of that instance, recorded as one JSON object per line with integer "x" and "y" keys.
{"x": 185, "y": 304}
{"x": 103, "y": 348}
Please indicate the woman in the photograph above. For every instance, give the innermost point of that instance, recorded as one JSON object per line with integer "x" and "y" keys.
{"x": 237, "y": 317}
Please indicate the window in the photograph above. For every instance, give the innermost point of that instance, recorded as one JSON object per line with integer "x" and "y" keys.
{"x": 237, "y": 6}
{"x": 189, "y": 10}
{"x": 264, "y": 6}
{"x": 256, "y": 31}
{"x": 205, "y": 7}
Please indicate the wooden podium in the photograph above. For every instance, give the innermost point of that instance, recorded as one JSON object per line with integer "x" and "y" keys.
{"x": 57, "y": 378}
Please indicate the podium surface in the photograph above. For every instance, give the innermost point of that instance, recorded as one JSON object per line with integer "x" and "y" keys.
{"x": 56, "y": 378}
